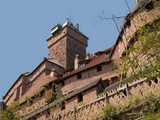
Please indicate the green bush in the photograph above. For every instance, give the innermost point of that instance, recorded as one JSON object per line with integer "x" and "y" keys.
{"x": 109, "y": 112}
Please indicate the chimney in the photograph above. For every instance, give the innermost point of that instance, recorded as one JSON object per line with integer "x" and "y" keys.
{"x": 76, "y": 62}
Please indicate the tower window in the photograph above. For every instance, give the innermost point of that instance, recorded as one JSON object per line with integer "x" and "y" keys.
{"x": 99, "y": 68}
{"x": 79, "y": 76}
{"x": 80, "y": 97}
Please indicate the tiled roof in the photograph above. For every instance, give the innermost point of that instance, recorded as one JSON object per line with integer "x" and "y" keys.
{"x": 93, "y": 61}
{"x": 28, "y": 74}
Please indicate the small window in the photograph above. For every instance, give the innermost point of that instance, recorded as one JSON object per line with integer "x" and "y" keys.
{"x": 99, "y": 68}
{"x": 156, "y": 80}
{"x": 63, "y": 106}
{"x": 114, "y": 79}
{"x": 149, "y": 83}
{"x": 79, "y": 76}
{"x": 106, "y": 83}
{"x": 80, "y": 98}
{"x": 128, "y": 22}
{"x": 62, "y": 83}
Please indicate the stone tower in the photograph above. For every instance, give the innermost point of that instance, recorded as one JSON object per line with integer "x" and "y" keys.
{"x": 65, "y": 43}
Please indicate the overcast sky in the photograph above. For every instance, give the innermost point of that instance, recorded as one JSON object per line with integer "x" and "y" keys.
{"x": 25, "y": 25}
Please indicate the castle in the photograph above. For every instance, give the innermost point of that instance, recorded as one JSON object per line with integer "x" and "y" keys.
{"x": 69, "y": 77}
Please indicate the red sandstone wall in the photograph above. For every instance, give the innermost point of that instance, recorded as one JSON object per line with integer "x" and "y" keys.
{"x": 138, "y": 20}
{"x": 70, "y": 104}
{"x": 40, "y": 81}
{"x": 73, "y": 83}
{"x": 90, "y": 95}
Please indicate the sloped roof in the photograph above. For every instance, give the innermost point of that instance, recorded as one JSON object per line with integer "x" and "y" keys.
{"x": 27, "y": 74}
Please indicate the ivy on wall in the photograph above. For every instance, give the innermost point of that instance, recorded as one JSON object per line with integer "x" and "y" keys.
{"x": 142, "y": 58}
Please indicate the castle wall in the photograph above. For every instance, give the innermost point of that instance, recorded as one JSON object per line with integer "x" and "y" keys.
{"x": 116, "y": 98}
{"x": 89, "y": 95}
{"x": 136, "y": 21}
{"x": 37, "y": 84}
{"x": 71, "y": 103}
{"x": 88, "y": 76}
{"x": 15, "y": 93}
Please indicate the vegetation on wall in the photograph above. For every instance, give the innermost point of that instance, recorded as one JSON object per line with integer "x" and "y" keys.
{"x": 142, "y": 56}
{"x": 10, "y": 112}
{"x": 53, "y": 93}
{"x": 141, "y": 60}
{"x": 147, "y": 4}
{"x": 147, "y": 108}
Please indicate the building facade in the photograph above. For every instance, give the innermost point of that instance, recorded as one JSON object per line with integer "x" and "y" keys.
{"x": 69, "y": 77}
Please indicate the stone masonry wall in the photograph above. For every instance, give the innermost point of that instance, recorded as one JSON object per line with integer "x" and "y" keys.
{"x": 116, "y": 98}
{"x": 136, "y": 21}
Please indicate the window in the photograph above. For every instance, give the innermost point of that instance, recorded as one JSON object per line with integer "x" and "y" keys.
{"x": 63, "y": 106}
{"x": 114, "y": 79}
{"x": 149, "y": 83}
{"x": 99, "y": 68}
{"x": 156, "y": 80}
{"x": 62, "y": 82}
{"x": 106, "y": 83}
{"x": 100, "y": 89}
{"x": 80, "y": 97}
{"x": 128, "y": 22}
{"x": 79, "y": 76}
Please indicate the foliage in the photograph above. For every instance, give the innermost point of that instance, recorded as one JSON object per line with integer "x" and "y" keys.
{"x": 152, "y": 116}
{"x": 54, "y": 93}
{"x": 10, "y": 112}
{"x": 154, "y": 113}
{"x": 143, "y": 56}
{"x": 151, "y": 4}
{"x": 108, "y": 112}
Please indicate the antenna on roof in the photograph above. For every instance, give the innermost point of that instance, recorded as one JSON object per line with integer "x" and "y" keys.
{"x": 67, "y": 22}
